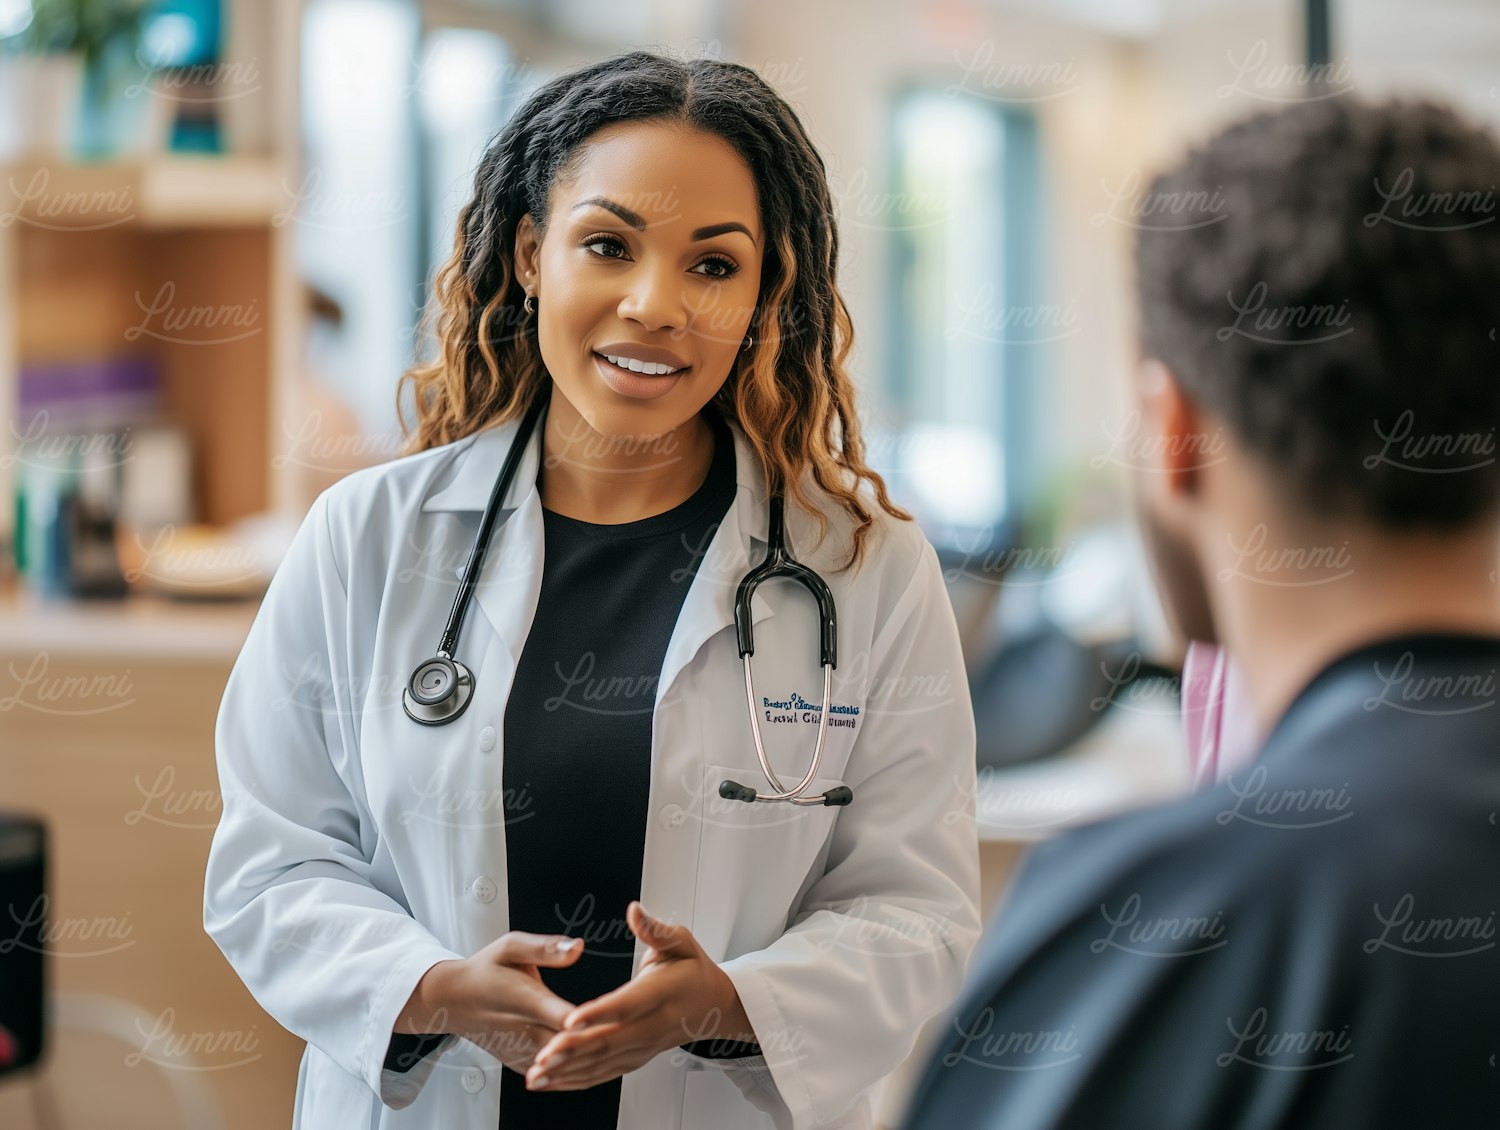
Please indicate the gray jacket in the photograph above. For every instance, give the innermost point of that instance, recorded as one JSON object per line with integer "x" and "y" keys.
{"x": 1311, "y": 943}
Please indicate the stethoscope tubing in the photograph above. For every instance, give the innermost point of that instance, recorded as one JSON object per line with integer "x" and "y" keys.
{"x": 793, "y": 794}
{"x": 474, "y": 567}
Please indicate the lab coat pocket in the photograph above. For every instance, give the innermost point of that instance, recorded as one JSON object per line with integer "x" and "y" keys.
{"x": 710, "y": 1101}
{"x": 328, "y": 1097}
{"x": 756, "y": 858}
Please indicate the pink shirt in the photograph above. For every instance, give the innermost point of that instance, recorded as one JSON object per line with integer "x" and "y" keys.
{"x": 1217, "y": 719}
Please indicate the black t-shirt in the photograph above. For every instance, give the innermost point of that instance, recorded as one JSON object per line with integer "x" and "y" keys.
{"x": 578, "y": 747}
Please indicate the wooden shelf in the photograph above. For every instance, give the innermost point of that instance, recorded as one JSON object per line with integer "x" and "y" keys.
{"x": 173, "y": 191}
{"x": 214, "y": 308}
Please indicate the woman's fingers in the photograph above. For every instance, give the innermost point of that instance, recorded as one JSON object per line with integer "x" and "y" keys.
{"x": 590, "y": 1043}
{"x": 663, "y": 937}
{"x": 589, "y": 1075}
{"x": 499, "y": 990}
{"x": 550, "y": 950}
{"x": 515, "y": 1043}
{"x": 632, "y": 1001}
{"x": 530, "y": 1000}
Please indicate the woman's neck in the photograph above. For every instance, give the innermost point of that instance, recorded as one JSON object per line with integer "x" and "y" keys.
{"x": 610, "y": 480}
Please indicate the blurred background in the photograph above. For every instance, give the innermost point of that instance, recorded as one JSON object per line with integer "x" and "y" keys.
{"x": 218, "y": 224}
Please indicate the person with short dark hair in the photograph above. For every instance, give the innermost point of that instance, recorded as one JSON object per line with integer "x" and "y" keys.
{"x": 1310, "y": 942}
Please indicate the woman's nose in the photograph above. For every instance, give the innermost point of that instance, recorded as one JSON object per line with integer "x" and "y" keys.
{"x": 654, "y": 298}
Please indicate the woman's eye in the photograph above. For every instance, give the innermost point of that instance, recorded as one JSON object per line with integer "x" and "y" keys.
{"x": 607, "y": 241}
{"x": 726, "y": 268}
{"x": 728, "y": 265}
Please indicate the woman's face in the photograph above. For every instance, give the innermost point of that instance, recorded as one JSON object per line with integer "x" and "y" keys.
{"x": 653, "y": 251}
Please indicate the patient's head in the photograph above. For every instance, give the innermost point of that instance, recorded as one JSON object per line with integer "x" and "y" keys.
{"x": 1321, "y": 350}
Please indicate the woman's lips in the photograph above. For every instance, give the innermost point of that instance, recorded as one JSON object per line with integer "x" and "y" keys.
{"x": 637, "y": 386}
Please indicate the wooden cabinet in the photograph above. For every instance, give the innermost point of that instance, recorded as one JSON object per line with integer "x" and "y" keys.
{"x": 106, "y": 731}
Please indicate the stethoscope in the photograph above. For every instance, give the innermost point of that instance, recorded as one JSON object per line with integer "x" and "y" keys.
{"x": 440, "y": 688}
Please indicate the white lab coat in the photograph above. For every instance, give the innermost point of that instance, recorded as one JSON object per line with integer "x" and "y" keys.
{"x": 356, "y": 848}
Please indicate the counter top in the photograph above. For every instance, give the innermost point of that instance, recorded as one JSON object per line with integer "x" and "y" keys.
{"x": 1131, "y": 758}
{"x": 140, "y": 626}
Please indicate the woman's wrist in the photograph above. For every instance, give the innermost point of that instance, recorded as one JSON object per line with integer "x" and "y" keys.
{"x": 727, "y": 1032}
{"x": 734, "y": 1022}
{"x": 427, "y": 1010}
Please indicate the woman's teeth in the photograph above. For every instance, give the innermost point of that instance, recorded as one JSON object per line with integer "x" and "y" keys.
{"x": 645, "y": 368}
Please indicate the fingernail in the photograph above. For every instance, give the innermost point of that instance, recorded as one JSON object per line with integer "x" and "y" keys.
{"x": 540, "y": 1081}
{"x": 573, "y": 1022}
{"x": 567, "y": 946}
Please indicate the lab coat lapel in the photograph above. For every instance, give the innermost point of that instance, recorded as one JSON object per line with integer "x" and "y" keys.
{"x": 739, "y": 541}
{"x": 511, "y": 582}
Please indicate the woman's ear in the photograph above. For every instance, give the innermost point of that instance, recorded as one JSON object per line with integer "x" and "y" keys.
{"x": 527, "y": 252}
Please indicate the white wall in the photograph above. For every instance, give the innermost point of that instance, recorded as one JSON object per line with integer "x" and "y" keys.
{"x": 1111, "y": 108}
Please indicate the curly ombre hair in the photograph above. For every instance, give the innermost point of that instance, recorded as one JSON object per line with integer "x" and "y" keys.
{"x": 789, "y": 392}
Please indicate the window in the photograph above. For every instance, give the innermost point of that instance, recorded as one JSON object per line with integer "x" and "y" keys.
{"x": 966, "y": 330}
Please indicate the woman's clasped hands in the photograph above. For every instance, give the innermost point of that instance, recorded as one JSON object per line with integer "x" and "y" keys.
{"x": 679, "y": 995}
{"x": 496, "y": 999}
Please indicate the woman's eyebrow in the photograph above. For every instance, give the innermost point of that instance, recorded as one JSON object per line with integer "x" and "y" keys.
{"x": 635, "y": 221}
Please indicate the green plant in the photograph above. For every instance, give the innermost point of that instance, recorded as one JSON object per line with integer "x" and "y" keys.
{"x": 87, "y": 27}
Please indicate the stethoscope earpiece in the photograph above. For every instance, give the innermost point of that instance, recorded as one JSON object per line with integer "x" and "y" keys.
{"x": 836, "y": 797}
{"x": 733, "y": 790}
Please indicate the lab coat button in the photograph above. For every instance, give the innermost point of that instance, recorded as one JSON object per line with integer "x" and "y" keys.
{"x": 672, "y": 815}
{"x": 484, "y": 889}
{"x": 487, "y": 739}
{"x": 473, "y": 1080}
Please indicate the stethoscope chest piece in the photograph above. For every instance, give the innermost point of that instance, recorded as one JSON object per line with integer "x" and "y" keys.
{"x": 440, "y": 688}
{"x": 439, "y": 691}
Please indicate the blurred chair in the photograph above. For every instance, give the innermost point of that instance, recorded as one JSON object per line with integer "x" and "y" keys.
{"x": 31, "y": 1016}
{"x": 1046, "y": 663}
{"x": 23, "y": 851}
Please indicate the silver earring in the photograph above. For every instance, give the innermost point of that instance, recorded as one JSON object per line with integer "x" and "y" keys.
{"x": 749, "y": 341}
{"x": 529, "y": 305}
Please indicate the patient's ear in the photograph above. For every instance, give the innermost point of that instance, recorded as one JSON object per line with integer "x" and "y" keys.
{"x": 1175, "y": 431}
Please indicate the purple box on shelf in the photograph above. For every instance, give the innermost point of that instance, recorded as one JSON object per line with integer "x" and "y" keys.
{"x": 94, "y": 394}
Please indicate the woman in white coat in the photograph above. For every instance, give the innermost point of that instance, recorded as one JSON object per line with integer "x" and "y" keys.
{"x": 402, "y": 895}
